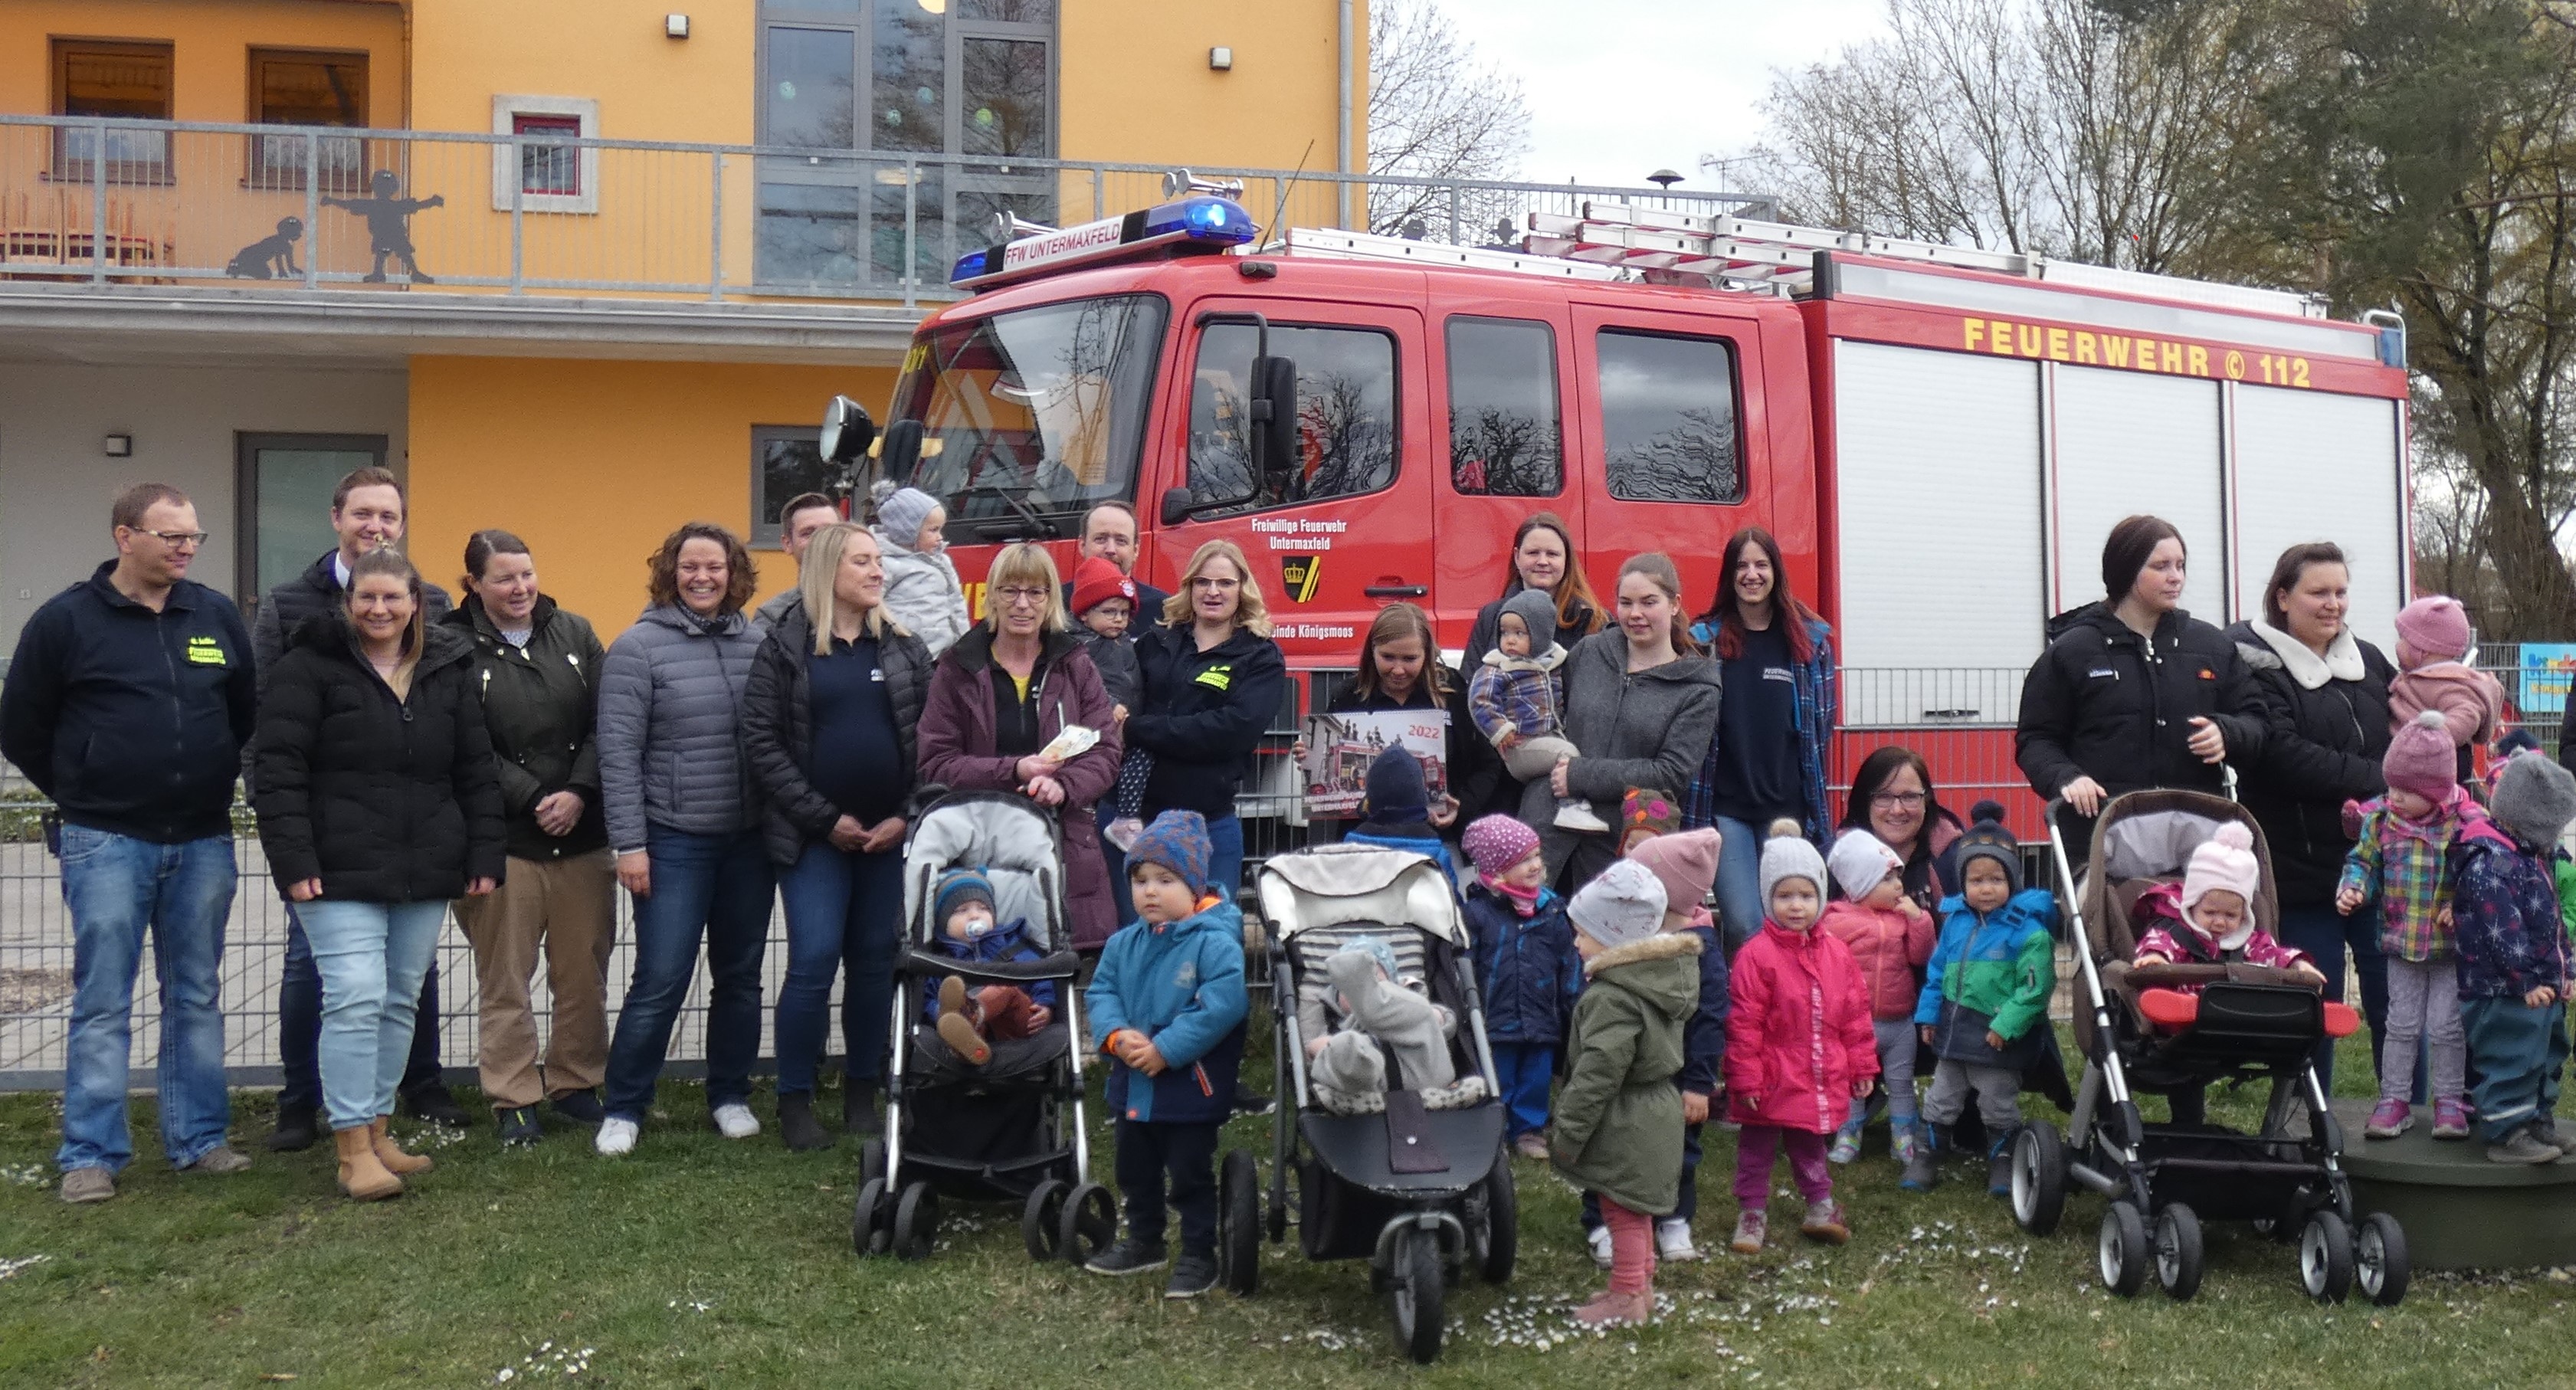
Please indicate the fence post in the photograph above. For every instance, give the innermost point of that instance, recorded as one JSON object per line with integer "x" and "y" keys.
{"x": 98, "y": 206}
{"x": 1099, "y": 193}
{"x": 715, "y": 232}
{"x": 1453, "y": 216}
{"x": 518, "y": 213}
{"x": 313, "y": 205}
{"x": 911, "y": 206}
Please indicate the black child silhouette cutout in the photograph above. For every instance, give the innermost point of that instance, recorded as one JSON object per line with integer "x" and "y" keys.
{"x": 388, "y": 220}
{"x": 269, "y": 258}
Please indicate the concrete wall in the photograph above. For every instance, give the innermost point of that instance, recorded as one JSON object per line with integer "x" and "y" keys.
{"x": 55, "y": 484}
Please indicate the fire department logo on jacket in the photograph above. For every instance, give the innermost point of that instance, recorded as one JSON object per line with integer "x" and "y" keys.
{"x": 1299, "y": 574}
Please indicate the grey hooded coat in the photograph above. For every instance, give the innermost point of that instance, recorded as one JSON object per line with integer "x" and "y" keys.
{"x": 670, "y": 720}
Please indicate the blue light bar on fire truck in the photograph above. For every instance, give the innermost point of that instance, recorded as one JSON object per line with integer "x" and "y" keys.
{"x": 1204, "y": 225}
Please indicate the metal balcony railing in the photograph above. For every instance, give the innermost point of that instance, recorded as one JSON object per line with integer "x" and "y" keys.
{"x": 120, "y": 202}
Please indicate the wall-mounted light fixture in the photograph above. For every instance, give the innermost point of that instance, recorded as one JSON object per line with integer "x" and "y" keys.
{"x": 1221, "y": 58}
{"x": 676, "y": 25}
{"x": 117, "y": 446}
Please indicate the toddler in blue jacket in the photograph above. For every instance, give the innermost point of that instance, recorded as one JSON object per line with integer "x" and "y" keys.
{"x": 2514, "y": 968}
{"x": 1167, "y": 1005}
{"x": 1527, "y": 971}
{"x": 970, "y": 1019}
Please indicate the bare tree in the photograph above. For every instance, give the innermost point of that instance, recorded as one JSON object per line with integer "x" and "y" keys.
{"x": 1437, "y": 111}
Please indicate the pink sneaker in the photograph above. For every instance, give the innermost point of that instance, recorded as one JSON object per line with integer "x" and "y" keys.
{"x": 2450, "y": 1118}
{"x": 2391, "y": 1118}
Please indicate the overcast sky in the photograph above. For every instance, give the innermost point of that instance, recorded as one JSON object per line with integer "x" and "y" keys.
{"x": 1620, "y": 88}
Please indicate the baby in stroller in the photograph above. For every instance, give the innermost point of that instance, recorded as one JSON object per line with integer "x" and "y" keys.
{"x": 1364, "y": 1014}
{"x": 2208, "y": 919}
{"x": 971, "y": 1020}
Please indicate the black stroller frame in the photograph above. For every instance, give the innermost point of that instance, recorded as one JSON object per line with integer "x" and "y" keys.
{"x": 2163, "y": 1180}
{"x": 1421, "y": 1232}
{"x": 1028, "y": 1100}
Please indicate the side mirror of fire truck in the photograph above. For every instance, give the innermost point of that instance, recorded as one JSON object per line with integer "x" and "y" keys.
{"x": 847, "y": 431}
{"x": 1274, "y": 415}
{"x": 900, "y": 449}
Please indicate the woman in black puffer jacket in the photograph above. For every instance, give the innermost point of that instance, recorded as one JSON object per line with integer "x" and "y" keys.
{"x": 378, "y": 802}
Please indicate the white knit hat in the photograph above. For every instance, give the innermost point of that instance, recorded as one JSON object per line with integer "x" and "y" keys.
{"x": 1624, "y": 904}
{"x": 1860, "y": 862}
{"x": 1790, "y": 856}
{"x": 2225, "y": 860}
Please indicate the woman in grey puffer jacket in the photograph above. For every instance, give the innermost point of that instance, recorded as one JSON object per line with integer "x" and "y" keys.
{"x": 685, "y": 821}
{"x": 922, "y": 594}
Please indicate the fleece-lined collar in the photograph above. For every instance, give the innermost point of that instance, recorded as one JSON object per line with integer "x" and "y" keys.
{"x": 1663, "y": 945}
{"x": 2342, "y": 661}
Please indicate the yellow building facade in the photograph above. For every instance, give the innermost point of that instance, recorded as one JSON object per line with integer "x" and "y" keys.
{"x": 583, "y": 270}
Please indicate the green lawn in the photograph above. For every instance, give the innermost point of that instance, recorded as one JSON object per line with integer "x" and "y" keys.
{"x": 701, "y": 1262}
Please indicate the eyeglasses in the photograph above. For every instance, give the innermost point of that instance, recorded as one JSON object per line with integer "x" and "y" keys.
{"x": 1016, "y": 596}
{"x": 1211, "y": 582}
{"x": 174, "y": 539}
{"x": 1912, "y": 801}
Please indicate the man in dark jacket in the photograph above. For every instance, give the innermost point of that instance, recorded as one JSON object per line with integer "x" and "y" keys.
{"x": 128, "y": 704}
{"x": 367, "y": 511}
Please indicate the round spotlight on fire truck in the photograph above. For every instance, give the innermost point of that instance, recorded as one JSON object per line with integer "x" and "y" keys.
{"x": 847, "y": 431}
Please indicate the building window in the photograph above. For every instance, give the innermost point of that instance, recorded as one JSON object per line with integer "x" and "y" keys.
{"x": 864, "y": 85}
{"x": 289, "y": 87}
{"x": 123, "y": 81}
{"x": 785, "y": 460}
{"x": 1505, "y": 438}
{"x": 1668, "y": 418}
{"x": 546, "y": 172}
{"x": 1345, "y": 417}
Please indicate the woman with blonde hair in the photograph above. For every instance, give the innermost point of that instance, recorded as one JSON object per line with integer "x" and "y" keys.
{"x": 1212, "y": 682}
{"x": 827, "y": 725}
{"x": 1002, "y": 693}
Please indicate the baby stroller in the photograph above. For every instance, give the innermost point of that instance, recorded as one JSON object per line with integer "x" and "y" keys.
{"x": 2164, "y": 1180}
{"x": 1425, "y": 1195}
{"x": 1012, "y": 1129}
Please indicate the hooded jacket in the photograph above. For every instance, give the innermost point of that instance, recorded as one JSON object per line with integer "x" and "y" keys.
{"x": 1486, "y": 632}
{"x": 1617, "y": 1129}
{"x": 670, "y": 716}
{"x": 922, "y": 593}
{"x": 958, "y": 740}
{"x": 385, "y": 800}
{"x": 2325, "y": 728}
{"x": 540, "y": 705}
{"x": 1889, "y": 946}
{"x": 1006, "y": 942}
{"x": 133, "y": 722}
{"x": 1527, "y": 971}
{"x": 1203, "y": 714}
{"x": 778, "y": 727}
{"x": 2504, "y": 913}
{"x": 2000, "y": 965}
{"x": 1181, "y": 985}
{"x": 1518, "y": 697}
{"x": 2105, "y": 703}
{"x": 1799, "y": 1039}
{"x": 1649, "y": 729}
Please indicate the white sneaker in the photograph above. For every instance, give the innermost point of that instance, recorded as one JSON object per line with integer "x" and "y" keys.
{"x": 1577, "y": 815}
{"x": 736, "y": 1121}
{"x": 1600, "y": 1242}
{"x": 1673, "y": 1240}
{"x": 616, "y": 1138}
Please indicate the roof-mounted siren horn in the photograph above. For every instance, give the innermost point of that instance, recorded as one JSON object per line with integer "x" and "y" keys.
{"x": 1181, "y": 183}
{"x": 1009, "y": 226}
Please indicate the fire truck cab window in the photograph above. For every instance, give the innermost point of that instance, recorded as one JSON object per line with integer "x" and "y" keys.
{"x": 1345, "y": 416}
{"x": 1505, "y": 437}
{"x": 1668, "y": 428}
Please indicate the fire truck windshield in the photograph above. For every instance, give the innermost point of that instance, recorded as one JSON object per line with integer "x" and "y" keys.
{"x": 1036, "y": 413}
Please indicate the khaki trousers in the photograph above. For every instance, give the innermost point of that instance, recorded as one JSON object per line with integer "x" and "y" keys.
{"x": 569, "y": 907}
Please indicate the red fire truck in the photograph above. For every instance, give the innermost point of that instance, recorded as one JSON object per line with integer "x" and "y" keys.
{"x": 1940, "y": 438}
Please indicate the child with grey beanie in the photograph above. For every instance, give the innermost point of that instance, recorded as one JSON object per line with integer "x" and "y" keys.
{"x": 2514, "y": 967}
{"x": 1517, "y": 698}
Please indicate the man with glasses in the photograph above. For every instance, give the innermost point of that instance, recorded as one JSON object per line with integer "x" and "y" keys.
{"x": 128, "y": 705}
{"x": 367, "y": 513}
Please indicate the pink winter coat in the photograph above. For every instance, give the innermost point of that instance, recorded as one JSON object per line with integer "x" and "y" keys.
{"x": 2470, "y": 701}
{"x": 1891, "y": 949}
{"x": 1798, "y": 1034}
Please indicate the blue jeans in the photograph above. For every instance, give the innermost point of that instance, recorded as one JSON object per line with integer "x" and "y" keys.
{"x": 299, "y": 1025}
{"x": 842, "y": 909}
{"x": 117, "y": 888}
{"x": 372, "y": 957}
{"x": 1225, "y": 855}
{"x": 713, "y": 886}
{"x": 1524, "y": 1070}
{"x": 2517, "y": 1052}
{"x": 2324, "y": 934}
{"x": 1739, "y": 882}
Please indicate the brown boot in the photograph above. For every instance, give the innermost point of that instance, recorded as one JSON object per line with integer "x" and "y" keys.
{"x": 391, "y": 1155}
{"x": 361, "y": 1175}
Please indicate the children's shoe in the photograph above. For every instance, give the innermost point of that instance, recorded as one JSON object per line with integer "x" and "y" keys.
{"x": 518, "y": 1126}
{"x": 1903, "y": 1142}
{"x": 2450, "y": 1118}
{"x": 1599, "y": 1243}
{"x": 1617, "y": 1309}
{"x": 1846, "y": 1142}
{"x": 1192, "y": 1275}
{"x": 1673, "y": 1240}
{"x": 1999, "y": 1164}
{"x": 1752, "y": 1228}
{"x": 1577, "y": 815}
{"x": 2522, "y": 1146}
{"x": 1532, "y": 1145}
{"x": 1128, "y": 1256}
{"x": 1824, "y": 1222}
{"x": 734, "y": 1120}
{"x": 1922, "y": 1167}
{"x": 2391, "y": 1118}
{"x": 616, "y": 1138}
{"x": 962, "y": 1039}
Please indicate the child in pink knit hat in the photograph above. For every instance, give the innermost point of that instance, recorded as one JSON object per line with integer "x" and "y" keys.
{"x": 2434, "y": 644}
{"x": 1527, "y": 970}
{"x": 2400, "y": 857}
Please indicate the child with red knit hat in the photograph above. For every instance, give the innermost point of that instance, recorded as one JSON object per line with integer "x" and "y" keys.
{"x": 1103, "y": 603}
{"x": 2400, "y": 858}
{"x": 2434, "y": 644}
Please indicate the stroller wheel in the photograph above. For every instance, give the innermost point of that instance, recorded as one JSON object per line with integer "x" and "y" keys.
{"x": 2038, "y": 1179}
{"x": 916, "y": 1221}
{"x": 1413, "y": 1297}
{"x": 2379, "y": 1259}
{"x": 2325, "y": 1257}
{"x": 2123, "y": 1251}
{"x": 872, "y": 1160}
{"x": 2178, "y": 1252}
{"x": 1088, "y": 1222}
{"x": 871, "y": 1221}
{"x": 1039, "y": 1218}
{"x": 1238, "y": 1224}
{"x": 1494, "y": 1223}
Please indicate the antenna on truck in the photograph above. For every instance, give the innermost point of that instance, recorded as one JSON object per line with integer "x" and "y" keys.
{"x": 1281, "y": 210}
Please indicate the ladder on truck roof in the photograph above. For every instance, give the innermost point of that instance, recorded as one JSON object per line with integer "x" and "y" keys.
{"x": 1618, "y": 242}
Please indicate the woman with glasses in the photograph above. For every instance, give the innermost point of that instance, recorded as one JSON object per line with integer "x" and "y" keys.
{"x": 827, "y": 725}
{"x": 1213, "y": 682}
{"x": 1004, "y": 692}
{"x": 1892, "y": 798}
